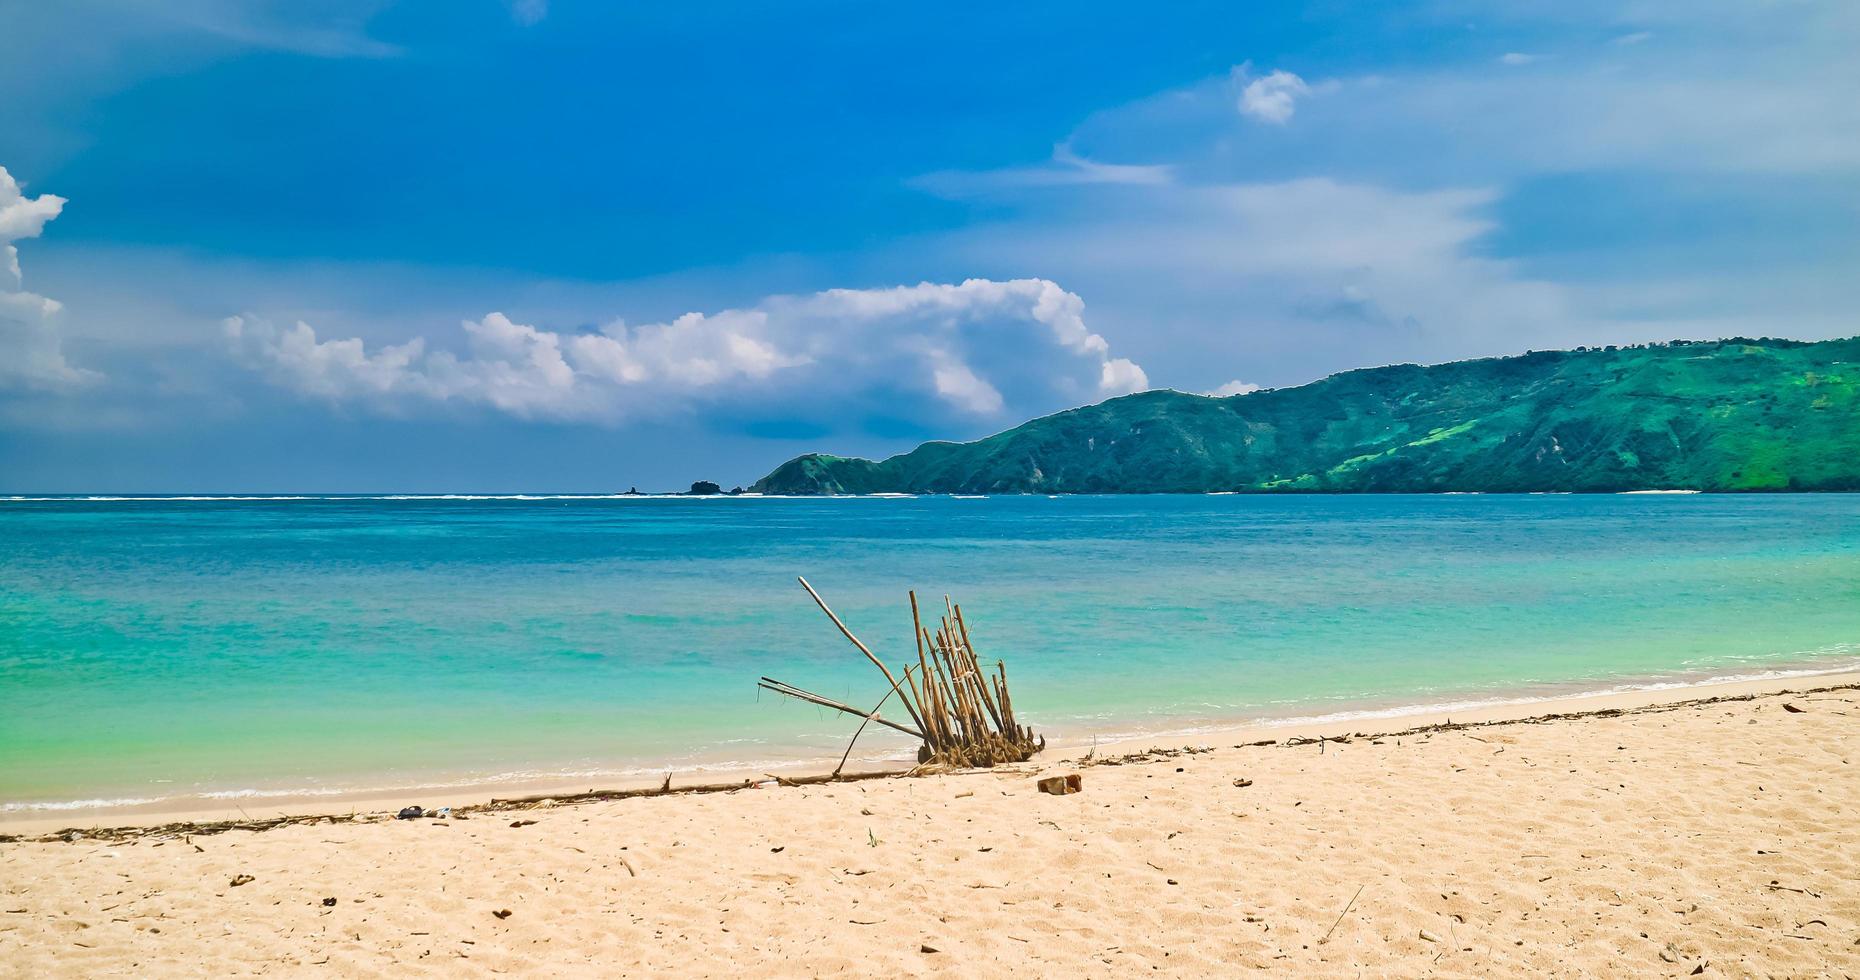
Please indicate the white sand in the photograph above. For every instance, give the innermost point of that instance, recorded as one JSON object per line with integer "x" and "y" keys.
{"x": 1645, "y": 843}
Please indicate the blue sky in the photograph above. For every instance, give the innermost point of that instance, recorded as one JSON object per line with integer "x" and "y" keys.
{"x": 561, "y": 245}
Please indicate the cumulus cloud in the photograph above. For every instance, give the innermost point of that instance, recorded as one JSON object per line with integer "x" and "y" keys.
{"x": 1308, "y": 276}
{"x": 1270, "y": 98}
{"x": 31, "y": 351}
{"x": 977, "y": 348}
{"x": 1234, "y": 387}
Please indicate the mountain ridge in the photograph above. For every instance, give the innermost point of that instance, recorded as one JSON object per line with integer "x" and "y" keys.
{"x": 1727, "y": 415}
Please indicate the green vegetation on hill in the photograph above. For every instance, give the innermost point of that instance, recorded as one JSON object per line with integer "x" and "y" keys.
{"x": 1734, "y": 415}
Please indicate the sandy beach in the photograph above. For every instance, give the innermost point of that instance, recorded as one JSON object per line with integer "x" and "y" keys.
{"x": 1706, "y": 831}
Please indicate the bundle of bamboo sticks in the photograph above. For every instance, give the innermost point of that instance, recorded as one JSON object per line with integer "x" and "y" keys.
{"x": 962, "y": 713}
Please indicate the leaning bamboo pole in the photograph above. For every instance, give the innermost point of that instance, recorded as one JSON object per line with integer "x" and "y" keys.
{"x": 963, "y": 714}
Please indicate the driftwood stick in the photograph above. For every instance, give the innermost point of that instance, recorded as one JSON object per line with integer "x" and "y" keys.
{"x": 923, "y": 671}
{"x": 868, "y": 720}
{"x": 802, "y": 695}
{"x": 1340, "y": 915}
{"x": 822, "y": 603}
{"x": 994, "y": 711}
{"x": 963, "y": 712}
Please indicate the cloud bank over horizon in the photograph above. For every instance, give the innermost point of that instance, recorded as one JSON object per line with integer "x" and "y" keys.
{"x": 978, "y": 347}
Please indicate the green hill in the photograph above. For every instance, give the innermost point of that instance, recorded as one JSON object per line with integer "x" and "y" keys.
{"x": 1734, "y": 415}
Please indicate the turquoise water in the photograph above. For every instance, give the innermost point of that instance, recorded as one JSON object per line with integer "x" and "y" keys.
{"x": 167, "y": 648}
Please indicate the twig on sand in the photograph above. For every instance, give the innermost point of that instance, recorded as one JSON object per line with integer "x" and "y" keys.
{"x": 1346, "y": 911}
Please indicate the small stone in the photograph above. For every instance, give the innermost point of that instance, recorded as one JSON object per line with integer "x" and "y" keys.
{"x": 1062, "y": 785}
{"x": 242, "y": 880}
{"x": 927, "y": 948}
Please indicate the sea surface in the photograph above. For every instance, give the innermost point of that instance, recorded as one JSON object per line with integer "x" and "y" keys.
{"x": 231, "y": 648}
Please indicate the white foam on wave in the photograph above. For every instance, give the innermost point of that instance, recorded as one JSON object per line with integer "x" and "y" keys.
{"x": 1476, "y": 704}
{"x": 894, "y": 754}
{"x": 78, "y": 804}
{"x": 463, "y": 782}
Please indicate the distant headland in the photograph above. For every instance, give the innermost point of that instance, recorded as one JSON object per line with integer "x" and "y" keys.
{"x": 1736, "y": 415}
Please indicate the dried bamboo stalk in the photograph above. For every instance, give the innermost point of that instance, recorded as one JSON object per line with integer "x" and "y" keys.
{"x": 964, "y": 714}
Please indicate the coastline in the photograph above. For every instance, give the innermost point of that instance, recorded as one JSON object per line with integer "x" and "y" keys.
{"x": 1708, "y": 836}
{"x": 1114, "y": 740}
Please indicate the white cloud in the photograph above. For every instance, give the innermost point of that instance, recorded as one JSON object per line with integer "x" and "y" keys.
{"x": 22, "y": 216}
{"x": 956, "y": 383}
{"x": 1270, "y": 98}
{"x": 1637, "y": 37}
{"x": 1121, "y": 376}
{"x": 980, "y": 347}
{"x": 31, "y": 350}
{"x": 323, "y": 31}
{"x": 529, "y": 12}
{"x": 1516, "y": 58}
{"x": 1232, "y": 388}
{"x": 1308, "y": 276}
{"x": 1066, "y": 169}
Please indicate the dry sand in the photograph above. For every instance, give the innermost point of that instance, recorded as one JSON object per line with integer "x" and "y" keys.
{"x": 1715, "y": 838}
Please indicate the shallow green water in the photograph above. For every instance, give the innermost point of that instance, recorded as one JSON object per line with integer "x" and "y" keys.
{"x": 159, "y": 648}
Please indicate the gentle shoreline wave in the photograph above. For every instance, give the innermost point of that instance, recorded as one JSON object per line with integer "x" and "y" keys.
{"x": 1847, "y": 664}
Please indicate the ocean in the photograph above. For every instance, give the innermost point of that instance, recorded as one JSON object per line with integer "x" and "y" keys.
{"x": 156, "y": 649}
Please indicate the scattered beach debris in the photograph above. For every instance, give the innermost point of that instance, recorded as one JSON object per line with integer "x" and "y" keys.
{"x": 502, "y": 913}
{"x": 329, "y": 903}
{"x": 1346, "y": 911}
{"x": 521, "y": 823}
{"x": 242, "y": 879}
{"x": 410, "y": 813}
{"x": 1062, "y": 785}
{"x": 1151, "y": 754}
{"x": 1792, "y": 709}
{"x": 1071, "y": 782}
{"x": 961, "y": 712}
{"x": 184, "y": 830}
{"x": 1429, "y": 936}
{"x": 1243, "y": 783}
{"x": 927, "y": 948}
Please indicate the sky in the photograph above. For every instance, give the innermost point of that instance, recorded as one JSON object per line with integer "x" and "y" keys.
{"x": 548, "y": 245}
